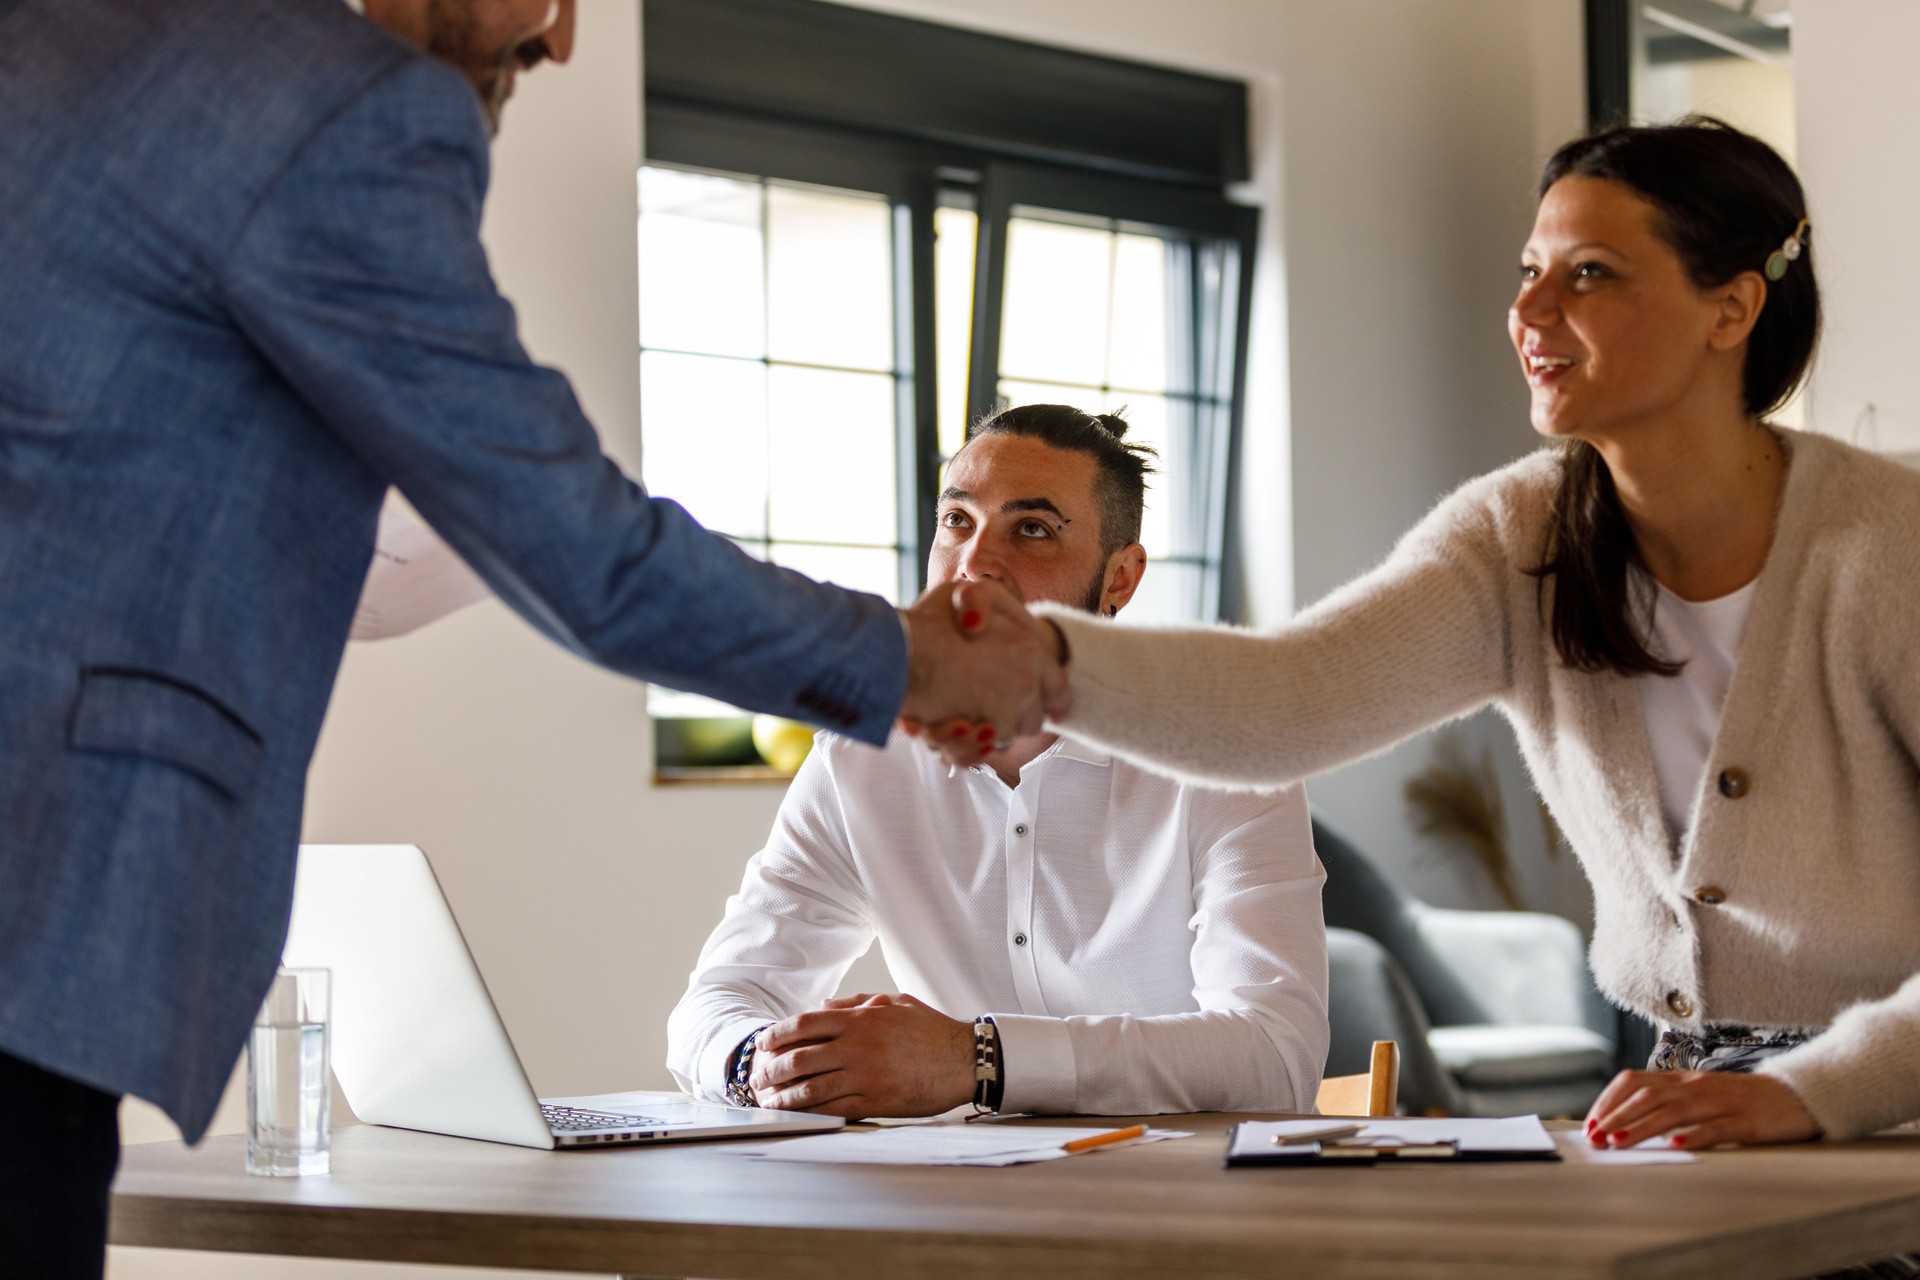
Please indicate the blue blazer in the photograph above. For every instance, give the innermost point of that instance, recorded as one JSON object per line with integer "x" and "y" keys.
{"x": 242, "y": 290}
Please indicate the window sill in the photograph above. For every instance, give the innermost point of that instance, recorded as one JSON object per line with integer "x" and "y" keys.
{"x": 722, "y": 775}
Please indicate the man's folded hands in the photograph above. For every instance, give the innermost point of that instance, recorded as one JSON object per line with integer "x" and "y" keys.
{"x": 863, "y": 1056}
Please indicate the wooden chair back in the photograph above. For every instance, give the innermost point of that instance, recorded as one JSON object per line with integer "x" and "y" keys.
{"x": 1377, "y": 1093}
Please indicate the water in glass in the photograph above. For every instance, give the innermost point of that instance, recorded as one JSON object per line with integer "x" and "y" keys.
{"x": 288, "y": 1082}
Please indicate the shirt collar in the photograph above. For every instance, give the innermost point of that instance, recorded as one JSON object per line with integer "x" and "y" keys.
{"x": 1066, "y": 748}
{"x": 1085, "y": 753}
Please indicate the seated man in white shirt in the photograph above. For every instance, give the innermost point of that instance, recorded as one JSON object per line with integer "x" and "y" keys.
{"x": 1134, "y": 944}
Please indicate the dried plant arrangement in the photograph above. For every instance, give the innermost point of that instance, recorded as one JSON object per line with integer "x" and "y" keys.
{"x": 1457, "y": 800}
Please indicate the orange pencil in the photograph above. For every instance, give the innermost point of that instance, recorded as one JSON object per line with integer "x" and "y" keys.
{"x": 1105, "y": 1139}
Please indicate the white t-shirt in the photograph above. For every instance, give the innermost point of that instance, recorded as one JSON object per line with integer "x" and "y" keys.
{"x": 1682, "y": 712}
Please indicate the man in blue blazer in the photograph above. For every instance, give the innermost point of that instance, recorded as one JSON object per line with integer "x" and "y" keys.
{"x": 242, "y": 291}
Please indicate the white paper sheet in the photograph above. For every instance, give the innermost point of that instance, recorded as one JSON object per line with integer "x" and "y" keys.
{"x": 1576, "y": 1148}
{"x": 978, "y": 1145}
{"x": 1522, "y": 1134}
{"x": 414, "y": 579}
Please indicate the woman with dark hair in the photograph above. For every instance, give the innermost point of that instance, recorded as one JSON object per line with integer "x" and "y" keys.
{"x": 1698, "y": 623}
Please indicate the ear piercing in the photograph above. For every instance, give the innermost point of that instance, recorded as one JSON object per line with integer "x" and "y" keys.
{"x": 1789, "y": 251}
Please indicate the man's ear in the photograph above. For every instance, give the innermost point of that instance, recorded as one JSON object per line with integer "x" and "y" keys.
{"x": 1125, "y": 568}
{"x": 1741, "y": 301}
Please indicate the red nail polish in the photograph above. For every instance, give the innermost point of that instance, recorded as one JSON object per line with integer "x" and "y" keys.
{"x": 1617, "y": 1135}
{"x": 1592, "y": 1124}
{"x": 986, "y": 733}
{"x": 1678, "y": 1140}
{"x": 970, "y": 620}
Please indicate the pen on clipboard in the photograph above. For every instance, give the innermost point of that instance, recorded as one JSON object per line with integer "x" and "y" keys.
{"x": 1331, "y": 1133}
{"x": 1104, "y": 1139}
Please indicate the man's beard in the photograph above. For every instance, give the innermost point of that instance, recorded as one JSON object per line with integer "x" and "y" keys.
{"x": 1096, "y": 589}
{"x": 454, "y": 37}
{"x": 1090, "y": 600}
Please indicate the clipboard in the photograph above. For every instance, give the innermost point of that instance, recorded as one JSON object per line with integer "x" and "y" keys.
{"x": 1387, "y": 1140}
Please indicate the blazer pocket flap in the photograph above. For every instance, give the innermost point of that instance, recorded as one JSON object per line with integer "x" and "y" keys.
{"x": 157, "y": 717}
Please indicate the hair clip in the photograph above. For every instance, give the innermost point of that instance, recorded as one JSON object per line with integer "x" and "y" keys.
{"x": 1788, "y": 252}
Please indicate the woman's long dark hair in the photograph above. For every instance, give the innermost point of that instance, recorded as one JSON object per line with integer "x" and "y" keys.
{"x": 1725, "y": 200}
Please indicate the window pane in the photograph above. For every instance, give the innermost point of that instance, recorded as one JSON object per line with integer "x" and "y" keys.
{"x": 1057, "y": 287}
{"x": 1088, "y": 399}
{"x": 1139, "y": 355}
{"x": 1147, "y": 424}
{"x": 955, "y": 235}
{"x": 1169, "y": 594}
{"x": 877, "y": 571}
{"x": 704, "y": 434}
{"x": 833, "y": 456}
{"x": 701, "y": 267}
{"x": 829, "y": 278}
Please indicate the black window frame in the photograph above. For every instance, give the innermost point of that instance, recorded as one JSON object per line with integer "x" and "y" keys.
{"x": 722, "y": 96}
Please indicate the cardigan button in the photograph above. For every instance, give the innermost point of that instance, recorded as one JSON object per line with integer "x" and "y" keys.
{"x": 1680, "y": 1005}
{"x": 1734, "y": 783}
{"x": 1709, "y": 895}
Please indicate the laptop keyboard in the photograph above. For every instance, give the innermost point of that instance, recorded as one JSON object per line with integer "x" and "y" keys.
{"x": 573, "y": 1119}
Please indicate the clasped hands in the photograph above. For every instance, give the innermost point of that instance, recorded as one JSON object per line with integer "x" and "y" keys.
{"x": 865, "y": 1055}
{"x": 982, "y": 671}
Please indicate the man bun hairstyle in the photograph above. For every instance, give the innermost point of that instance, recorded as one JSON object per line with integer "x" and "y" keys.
{"x": 1120, "y": 482}
{"x": 1725, "y": 203}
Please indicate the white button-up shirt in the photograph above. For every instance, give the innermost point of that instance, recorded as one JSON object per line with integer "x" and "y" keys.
{"x": 1144, "y": 945}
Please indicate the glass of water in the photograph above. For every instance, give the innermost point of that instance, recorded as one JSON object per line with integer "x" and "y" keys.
{"x": 288, "y": 1083}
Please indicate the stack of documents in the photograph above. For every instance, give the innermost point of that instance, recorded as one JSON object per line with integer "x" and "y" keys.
{"x": 976, "y": 1145}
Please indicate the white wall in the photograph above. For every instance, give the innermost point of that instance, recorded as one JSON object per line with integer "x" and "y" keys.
{"x": 1396, "y": 146}
{"x": 1856, "y": 99}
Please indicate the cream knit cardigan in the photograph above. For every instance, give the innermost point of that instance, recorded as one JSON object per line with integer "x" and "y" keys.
{"x": 1817, "y": 858}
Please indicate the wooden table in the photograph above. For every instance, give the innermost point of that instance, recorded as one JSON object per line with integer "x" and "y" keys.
{"x": 1166, "y": 1209}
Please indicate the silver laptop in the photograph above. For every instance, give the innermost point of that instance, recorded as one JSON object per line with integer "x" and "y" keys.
{"x": 417, "y": 1042}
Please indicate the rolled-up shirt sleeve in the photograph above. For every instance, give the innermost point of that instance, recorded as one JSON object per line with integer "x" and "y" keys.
{"x": 1258, "y": 1040}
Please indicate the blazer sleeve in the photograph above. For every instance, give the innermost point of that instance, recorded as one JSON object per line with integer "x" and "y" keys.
{"x": 361, "y": 278}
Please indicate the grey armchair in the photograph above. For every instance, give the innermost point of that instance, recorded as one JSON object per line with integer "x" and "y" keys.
{"x": 1495, "y": 1011}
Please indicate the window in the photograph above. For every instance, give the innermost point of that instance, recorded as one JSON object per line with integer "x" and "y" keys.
{"x": 767, "y": 369}
{"x": 825, "y": 304}
{"x": 1097, "y": 314}
{"x": 1655, "y": 62}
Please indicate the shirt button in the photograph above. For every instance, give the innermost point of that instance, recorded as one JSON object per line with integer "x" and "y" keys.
{"x": 1679, "y": 1004}
{"x": 1020, "y": 829}
{"x": 1709, "y": 896}
{"x": 1019, "y": 939}
{"x": 1734, "y": 783}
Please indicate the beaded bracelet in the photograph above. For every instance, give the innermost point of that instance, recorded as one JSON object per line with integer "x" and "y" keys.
{"x": 740, "y": 1069}
{"x": 988, "y": 1087}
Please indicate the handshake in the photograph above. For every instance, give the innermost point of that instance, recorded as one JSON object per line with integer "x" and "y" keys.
{"x": 981, "y": 672}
